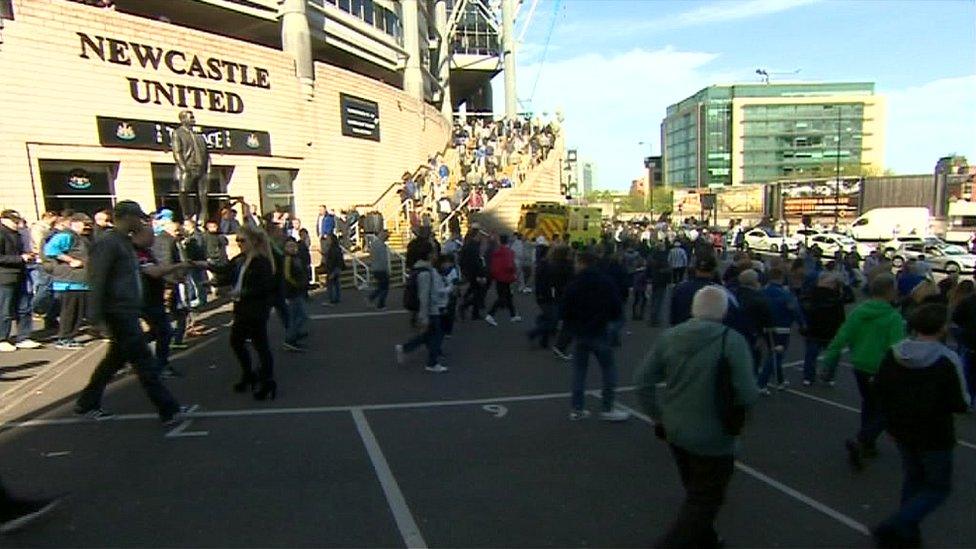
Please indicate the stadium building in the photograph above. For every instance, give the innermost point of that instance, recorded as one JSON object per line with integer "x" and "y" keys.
{"x": 302, "y": 102}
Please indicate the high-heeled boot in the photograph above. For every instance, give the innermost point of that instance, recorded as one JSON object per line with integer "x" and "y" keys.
{"x": 266, "y": 389}
{"x": 246, "y": 383}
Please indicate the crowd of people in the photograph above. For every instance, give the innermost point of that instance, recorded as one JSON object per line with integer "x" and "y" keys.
{"x": 732, "y": 316}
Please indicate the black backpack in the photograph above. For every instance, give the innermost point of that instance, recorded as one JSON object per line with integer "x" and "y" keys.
{"x": 411, "y": 293}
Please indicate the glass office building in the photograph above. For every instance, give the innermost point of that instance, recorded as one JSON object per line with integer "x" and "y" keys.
{"x": 760, "y": 133}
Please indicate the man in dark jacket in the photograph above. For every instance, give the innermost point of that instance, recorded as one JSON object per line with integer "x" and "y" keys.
{"x": 684, "y": 293}
{"x": 920, "y": 386}
{"x": 823, "y": 308}
{"x": 754, "y": 316}
{"x": 14, "y": 298}
{"x": 591, "y": 302}
{"x": 475, "y": 272}
{"x": 964, "y": 316}
{"x": 116, "y": 294}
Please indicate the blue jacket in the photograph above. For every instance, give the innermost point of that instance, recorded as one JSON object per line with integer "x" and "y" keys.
{"x": 682, "y": 296}
{"x": 784, "y": 306}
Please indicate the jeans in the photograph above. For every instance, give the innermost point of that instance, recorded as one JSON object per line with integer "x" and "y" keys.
{"x": 335, "y": 293}
{"x": 545, "y": 323}
{"x": 677, "y": 274}
{"x": 382, "y": 288}
{"x": 297, "y": 320}
{"x": 181, "y": 316}
{"x": 599, "y": 345}
{"x": 969, "y": 368}
{"x": 253, "y": 326}
{"x": 705, "y": 479}
{"x": 926, "y": 485}
{"x": 504, "y": 290}
{"x": 15, "y": 303}
{"x": 812, "y": 352}
{"x": 658, "y": 291}
{"x": 73, "y": 307}
{"x": 161, "y": 330}
{"x": 432, "y": 337}
{"x": 774, "y": 361}
{"x": 474, "y": 297}
{"x": 872, "y": 420}
{"x": 128, "y": 344}
{"x": 640, "y": 304}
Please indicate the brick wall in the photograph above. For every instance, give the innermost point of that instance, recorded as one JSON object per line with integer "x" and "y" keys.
{"x": 51, "y": 96}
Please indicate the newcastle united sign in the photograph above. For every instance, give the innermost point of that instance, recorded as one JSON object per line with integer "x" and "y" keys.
{"x": 180, "y": 63}
{"x": 146, "y": 134}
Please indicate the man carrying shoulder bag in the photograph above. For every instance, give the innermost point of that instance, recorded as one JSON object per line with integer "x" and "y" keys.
{"x": 691, "y": 356}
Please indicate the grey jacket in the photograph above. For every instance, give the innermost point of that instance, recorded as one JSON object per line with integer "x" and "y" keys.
{"x": 433, "y": 291}
{"x": 379, "y": 255}
{"x": 113, "y": 275}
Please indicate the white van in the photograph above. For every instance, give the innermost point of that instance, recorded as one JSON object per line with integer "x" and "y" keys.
{"x": 962, "y": 222}
{"x": 883, "y": 224}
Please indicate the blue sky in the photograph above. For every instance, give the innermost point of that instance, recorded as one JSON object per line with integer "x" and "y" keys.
{"x": 613, "y": 67}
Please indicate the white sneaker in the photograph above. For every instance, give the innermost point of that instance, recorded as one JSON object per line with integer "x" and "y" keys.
{"x": 398, "y": 354}
{"x": 614, "y": 415}
{"x": 29, "y": 344}
{"x": 560, "y": 354}
{"x": 436, "y": 369}
{"x": 783, "y": 386}
{"x": 577, "y": 415}
{"x": 764, "y": 391}
{"x": 517, "y": 318}
{"x": 6, "y": 347}
{"x": 491, "y": 320}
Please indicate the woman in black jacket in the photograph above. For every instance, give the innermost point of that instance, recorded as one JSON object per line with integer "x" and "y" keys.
{"x": 823, "y": 309}
{"x": 334, "y": 263}
{"x": 251, "y": 275}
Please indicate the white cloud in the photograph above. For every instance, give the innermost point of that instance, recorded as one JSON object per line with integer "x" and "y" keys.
{"x": 930, "y": 121}
{"x": 613, "y": 102}
{"x": 713, "y": 12}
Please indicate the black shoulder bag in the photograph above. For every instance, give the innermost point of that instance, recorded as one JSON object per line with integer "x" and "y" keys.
{"x": 733, "y": 415}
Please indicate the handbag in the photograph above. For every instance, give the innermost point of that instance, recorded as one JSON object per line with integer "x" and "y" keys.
{"x": 732, "y": 415}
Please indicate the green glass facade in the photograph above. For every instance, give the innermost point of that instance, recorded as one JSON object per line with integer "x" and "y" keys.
{"x": 777, "y": 140}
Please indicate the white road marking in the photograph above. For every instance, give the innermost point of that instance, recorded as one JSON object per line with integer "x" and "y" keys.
{"x": 358, "y": 315}
{"x": 80, "y": 355}
{"x": 398, "y": 504}
{"x": 180, "y": 430}
{"x": 496, "y": 410}
{"x": 295, "y": 411}
{"x": 769, "y": 481}
{"x": 828, "y": 402}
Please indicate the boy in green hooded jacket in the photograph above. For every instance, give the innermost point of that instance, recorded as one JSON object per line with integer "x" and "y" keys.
{"x": 870, "y": 330}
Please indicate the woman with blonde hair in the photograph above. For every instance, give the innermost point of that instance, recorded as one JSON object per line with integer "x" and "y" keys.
{"x": 924, "y": 292}
{"x": 251, "y": 277}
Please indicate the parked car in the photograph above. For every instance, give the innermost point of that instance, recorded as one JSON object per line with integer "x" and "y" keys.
{"x": 831, "y": 243}
{"x": 889, "y": 248}
{"x": 766, "y": 239}
{"x": 949, "y": 258}
{"x": 804, "y": 234}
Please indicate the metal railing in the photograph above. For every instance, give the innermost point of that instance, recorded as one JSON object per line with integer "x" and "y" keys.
{"x": 360, "y": 270}
{"x": 397, "y": 256}
{"x": 444, "y": 226}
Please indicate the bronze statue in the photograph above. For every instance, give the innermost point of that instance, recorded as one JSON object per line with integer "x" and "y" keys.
{"x": 192, "y": 166}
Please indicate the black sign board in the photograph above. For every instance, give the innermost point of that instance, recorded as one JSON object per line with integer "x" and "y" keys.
{"x": 360, "y": 117}
{"x": 147, "y": 134}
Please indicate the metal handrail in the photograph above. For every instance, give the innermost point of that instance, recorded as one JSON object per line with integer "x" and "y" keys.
{"x": 403, "y": 264}
{"x": 442, "y": 227}
{"x": 360, "y": 270}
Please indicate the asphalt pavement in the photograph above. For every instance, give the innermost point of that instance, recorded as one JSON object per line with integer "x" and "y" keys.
{"x": 359, "y": 452}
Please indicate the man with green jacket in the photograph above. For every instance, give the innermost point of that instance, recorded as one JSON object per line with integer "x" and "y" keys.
{"x": 687, "y": 416}
{"x": 870, "y": 330}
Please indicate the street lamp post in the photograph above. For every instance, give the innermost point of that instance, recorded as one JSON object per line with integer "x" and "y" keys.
{"x": 837, "y": 172}
{"x": 650, "y": 175}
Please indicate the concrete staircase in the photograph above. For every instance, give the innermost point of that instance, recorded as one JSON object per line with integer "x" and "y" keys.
{"x": 541, "y": 184}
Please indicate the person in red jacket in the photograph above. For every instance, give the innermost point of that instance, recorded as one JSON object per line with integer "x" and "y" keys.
{"x": 503, "y": 272}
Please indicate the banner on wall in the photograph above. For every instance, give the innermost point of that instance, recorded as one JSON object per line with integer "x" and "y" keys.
{"x": 360, "y": 117}
{"x": 154, "y": 135}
